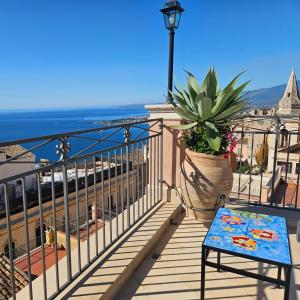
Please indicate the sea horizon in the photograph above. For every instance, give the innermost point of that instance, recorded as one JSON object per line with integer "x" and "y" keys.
{"x": 30, "y": 124}
{"x": 45, "y": 109}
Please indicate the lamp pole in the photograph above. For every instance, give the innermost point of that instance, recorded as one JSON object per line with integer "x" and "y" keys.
{"x": 171, "y": 63}
{"x": 172, "y": 13}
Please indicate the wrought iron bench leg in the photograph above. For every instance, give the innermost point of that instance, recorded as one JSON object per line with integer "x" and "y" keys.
{"x": 279, "y": 277}
{"x": 219, "y": 261}
{"x": 288, "y": 271}
{"x": 203, "y": 259}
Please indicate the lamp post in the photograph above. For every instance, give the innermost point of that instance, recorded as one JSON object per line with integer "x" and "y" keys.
{"x": 172, "y": 14}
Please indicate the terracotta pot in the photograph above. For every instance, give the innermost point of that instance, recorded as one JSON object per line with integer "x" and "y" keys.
{"x": 232, "y": 161}
{"x": 203, "y": 179}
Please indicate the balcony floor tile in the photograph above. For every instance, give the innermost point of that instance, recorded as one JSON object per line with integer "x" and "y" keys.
{"x": 174, "y": 271}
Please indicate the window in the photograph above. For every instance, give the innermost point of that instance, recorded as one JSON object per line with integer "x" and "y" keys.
{"x": 90, "y": 212}
{"x": 125, "y": 196}
{"x": 111, "y": 199}
{"x": 2, "y": 202}
{"x": 38, "y": 236}
{"x": 289, "y": 94}
{"x": 6, "y": 250}
{"x": 285, "y": 165}
{"x": 297, "y": 168}
{"x": 284, "y": 138}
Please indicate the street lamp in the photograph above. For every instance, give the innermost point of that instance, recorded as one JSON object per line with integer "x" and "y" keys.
{"x": 172, "y": 14}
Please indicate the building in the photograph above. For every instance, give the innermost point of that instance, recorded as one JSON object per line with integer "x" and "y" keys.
{"x": 290, "y": 102}
{"x": 268, "y": 144}
{"x": 287, "y": 144}
{"x": 23, "y": 161}
{"x": 110, "y": 190}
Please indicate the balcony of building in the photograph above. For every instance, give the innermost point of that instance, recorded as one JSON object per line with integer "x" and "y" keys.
{"x": 146, "y": 244}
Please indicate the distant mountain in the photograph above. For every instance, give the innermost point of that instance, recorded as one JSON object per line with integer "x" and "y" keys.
{"x": 267, "y": 96}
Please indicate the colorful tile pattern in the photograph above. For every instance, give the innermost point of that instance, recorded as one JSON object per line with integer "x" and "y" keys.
{"x": 256, "y": 235}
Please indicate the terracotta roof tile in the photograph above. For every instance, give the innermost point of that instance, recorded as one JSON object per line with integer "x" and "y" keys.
{"x": 21, "y": 279}
{"x": 14, "y": 150}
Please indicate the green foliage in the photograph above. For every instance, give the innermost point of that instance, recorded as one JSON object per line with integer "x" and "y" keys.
{"x": 244, "y": 168}
{"x": 208, "y": 111}
{"x": 196, "y": 141}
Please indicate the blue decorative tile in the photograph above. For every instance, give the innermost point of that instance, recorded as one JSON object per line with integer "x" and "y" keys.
{"x": 256, "y": 235}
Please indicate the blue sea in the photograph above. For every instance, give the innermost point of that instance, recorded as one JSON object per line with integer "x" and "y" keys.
{"x": 28, "y": 124}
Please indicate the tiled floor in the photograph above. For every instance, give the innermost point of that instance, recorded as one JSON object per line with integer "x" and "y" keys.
{"x": 172, "y": 271}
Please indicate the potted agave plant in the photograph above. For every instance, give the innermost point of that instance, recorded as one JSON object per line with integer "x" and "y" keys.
{"x": 207, "y": 140}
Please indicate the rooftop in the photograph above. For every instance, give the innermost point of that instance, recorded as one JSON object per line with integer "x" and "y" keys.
{"x": 21, "y": 279}
{"x": 291, "y": 149}
{"x": 14, "y": 150}
{"x": 36, "y": 257}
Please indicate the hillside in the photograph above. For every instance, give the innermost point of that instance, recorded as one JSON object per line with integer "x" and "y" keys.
{"x": 267, "y": 96}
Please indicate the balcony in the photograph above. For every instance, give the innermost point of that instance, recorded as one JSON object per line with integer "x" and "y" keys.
{"x": 110, "y": 222}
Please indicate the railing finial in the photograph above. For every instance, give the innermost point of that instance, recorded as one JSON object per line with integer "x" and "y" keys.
{"x": 63, "y": 148}
{"x": 127, "y": 134}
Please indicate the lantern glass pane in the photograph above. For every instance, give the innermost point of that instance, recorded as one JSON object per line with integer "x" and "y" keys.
{"x": 178, "y": 16}
{"x": 172, "y": 19}
{"x": 172, "y": 14}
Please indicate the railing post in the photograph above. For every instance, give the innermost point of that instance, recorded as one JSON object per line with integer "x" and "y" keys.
{"x": 278, "y": 126}
{"x": 240, "y": 163}
{"x": 63, "y": 149}
{"x": 161, "y": 128}
{"x": 9, "y": 235}
{"x": 127, "y": 135}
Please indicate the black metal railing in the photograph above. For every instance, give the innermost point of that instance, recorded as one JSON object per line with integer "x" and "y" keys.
{"x": 267, "y": 168}
{"x": 112, "y": 177}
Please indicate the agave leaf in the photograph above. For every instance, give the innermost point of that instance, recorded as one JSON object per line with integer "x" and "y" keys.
{"x": 180, "y": 101}
{"x": 204, "y": 106}
{"x": 218, "y": 92}
{"x": 187, "y": 99}
{"x": 178, "y": 91}
{"x": 221, "y": 101}
{"x": 192, "y": 96}
{"x": 187, "y": 115}
{"x": 239, "y": 98}
{"x": 239, "y": 89}
{"x": 210, "y": 84}
{"x": 233, "y": 82}
{"x": 208, "y": 106}
{"x": 199, "y": 97}
{"x": 234, "y": 109}
{"x": 213, "y": 136}
{"x": 194, "y": 82}
{"x": 184, "y": 126}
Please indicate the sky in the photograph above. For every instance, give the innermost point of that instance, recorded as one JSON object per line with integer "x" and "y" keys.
{"x": 92, "y": 53}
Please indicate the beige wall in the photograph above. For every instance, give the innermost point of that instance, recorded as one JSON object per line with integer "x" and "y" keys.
{"x": 173, "y": 153}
